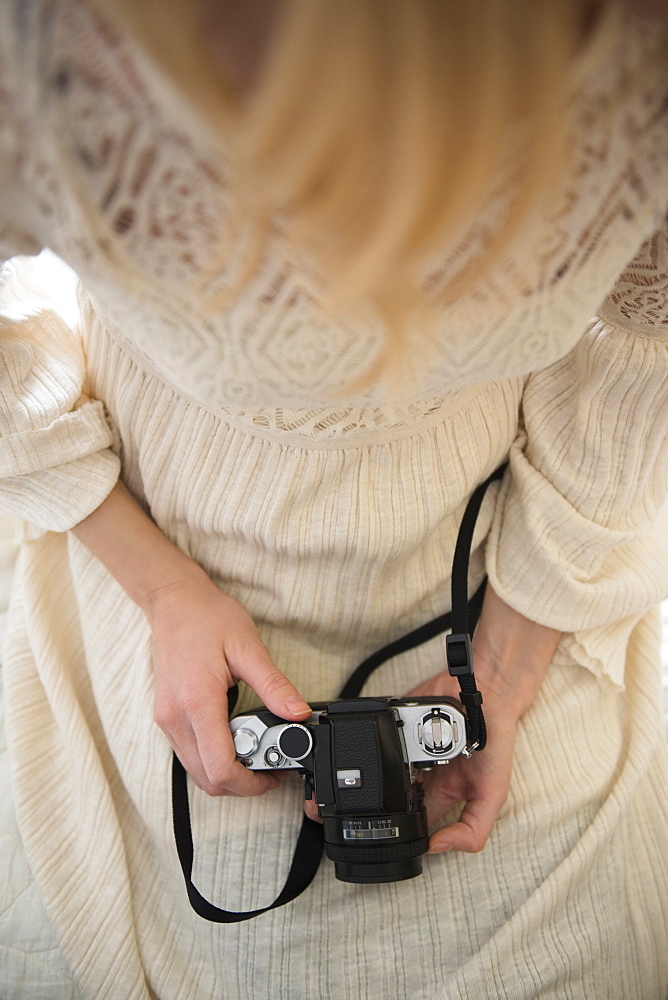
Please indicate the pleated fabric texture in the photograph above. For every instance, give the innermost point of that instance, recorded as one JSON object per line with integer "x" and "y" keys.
{"x": 567, "y": 900}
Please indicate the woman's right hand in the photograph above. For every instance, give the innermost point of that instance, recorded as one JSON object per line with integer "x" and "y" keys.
{"x": 203, "y": 643}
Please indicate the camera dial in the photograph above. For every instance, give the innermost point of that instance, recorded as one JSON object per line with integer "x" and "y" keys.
{"x": 273, "y": 757}
{"x": 295, "y": 742}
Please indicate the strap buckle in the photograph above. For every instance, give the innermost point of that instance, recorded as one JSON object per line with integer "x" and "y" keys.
{"x": 471, "y": 699}
{"x": 459, "y": 654}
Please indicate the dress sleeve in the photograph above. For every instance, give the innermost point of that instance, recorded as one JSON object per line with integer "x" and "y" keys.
{"x": 580, "y": 534}
{"x": 56, "y": 465}
{"x": 56, "y": 461}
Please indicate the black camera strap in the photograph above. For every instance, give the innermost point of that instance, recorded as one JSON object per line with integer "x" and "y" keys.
{"x": 308, "y": 852}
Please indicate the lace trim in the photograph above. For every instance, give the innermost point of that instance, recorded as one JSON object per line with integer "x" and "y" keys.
{"x": 344, "y": 422}
{"x": 639, "y": 301}
{"x": 120, "y": 184}
{"x": 320, "y": 426}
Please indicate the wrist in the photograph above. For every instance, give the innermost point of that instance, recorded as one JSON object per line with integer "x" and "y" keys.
{"x": 179, "y": 584}
{"x": 511, "y": 655}
{"x": 511, "y": 685}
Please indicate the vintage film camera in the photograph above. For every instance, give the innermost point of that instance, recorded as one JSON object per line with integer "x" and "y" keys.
{"x": 360, "y": 759}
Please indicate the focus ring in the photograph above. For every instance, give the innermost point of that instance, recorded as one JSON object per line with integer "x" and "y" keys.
{"x": 388, "y": 852}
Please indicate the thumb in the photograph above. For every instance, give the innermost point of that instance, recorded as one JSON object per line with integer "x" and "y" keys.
{"x": 472, "y": 830}
{"x": 279, "y": 694}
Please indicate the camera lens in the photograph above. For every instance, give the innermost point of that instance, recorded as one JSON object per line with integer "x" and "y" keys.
{"x": 377, "y": 848}
{"x": 375, "y": 824}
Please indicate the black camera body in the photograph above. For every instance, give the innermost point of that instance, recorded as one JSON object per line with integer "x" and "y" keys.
{"x": 360, "y": 759}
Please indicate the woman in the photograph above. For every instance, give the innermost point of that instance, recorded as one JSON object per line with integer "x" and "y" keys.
{"x": 318, "y": 308}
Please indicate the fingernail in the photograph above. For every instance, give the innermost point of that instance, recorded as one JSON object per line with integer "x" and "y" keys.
{"x": 439, "y": 849}
{"x": 296, "y": 706}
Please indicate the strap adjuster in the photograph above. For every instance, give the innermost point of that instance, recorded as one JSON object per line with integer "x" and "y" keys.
{"x": 459, "y": 654}
{"x": 470, "y": 699}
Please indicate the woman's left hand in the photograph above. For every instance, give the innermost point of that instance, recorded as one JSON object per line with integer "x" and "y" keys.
{"x": 481, "y": 781}
{"x": 511, "y": 655}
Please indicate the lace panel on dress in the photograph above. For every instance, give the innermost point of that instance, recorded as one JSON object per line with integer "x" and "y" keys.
{"x": 127, "y": 192}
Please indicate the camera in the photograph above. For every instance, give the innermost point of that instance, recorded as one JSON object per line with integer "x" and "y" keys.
{"x": 361, "y": 759}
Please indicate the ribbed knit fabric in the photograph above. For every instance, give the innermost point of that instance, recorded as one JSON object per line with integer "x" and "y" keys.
{"x": 333, "y": 520}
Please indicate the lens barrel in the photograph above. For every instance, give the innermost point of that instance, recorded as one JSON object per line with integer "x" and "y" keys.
{"x": 386, "y": 848}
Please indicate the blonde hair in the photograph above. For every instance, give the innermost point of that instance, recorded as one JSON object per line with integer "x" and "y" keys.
{"x": 376, "y": 127}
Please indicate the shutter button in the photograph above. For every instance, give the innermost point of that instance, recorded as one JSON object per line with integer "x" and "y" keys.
{"x": 245, "y": 742}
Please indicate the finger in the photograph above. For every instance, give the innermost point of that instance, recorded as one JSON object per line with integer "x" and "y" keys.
{"x": 223, "y": 773}
{"x": 471, "y": 831}
{"x": 218, "y": 781}
{"x": 198, "y": 728}
{"x": 175, "y": 725}
{"x": 255, "y": 666}
{"x": 311, "y": 810}
{"x": 439, "y": 801}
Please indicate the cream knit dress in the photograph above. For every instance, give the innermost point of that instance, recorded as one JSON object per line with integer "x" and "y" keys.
{"x": 333, "y": 521}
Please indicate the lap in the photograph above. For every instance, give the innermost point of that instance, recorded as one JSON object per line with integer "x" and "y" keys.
{"x": 568, "y": 899}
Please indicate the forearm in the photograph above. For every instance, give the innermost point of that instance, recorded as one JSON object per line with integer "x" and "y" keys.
{"x": 134, "y": 550}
